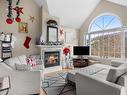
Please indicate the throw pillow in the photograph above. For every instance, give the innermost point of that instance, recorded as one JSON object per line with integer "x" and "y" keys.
{"x": 31, "y": 61}
{"x": 114, "y": 74}
{"x": 22, "y": 67}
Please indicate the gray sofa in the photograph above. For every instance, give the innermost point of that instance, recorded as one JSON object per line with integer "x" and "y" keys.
{"x": 97, "y": 79}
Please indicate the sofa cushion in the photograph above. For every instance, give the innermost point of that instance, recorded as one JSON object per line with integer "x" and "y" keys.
{"x": 22, "y": 59}
{"x": 116, "y": 63}
{"x": 22, "y": 67}
{"x": 114, "y": 74}
{"x": 12, "y": 61}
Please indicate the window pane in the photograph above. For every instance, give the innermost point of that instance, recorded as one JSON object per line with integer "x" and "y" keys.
{"x": 92, "y": 44}
{"x": 114, "y": 24}
{"x": 117, "y": 44}
{"x": 94, "y": 27}
{"x": 111, "y": 45}
{"x": 101, "y": 45}
{"x": 105, "y": 22}
{"x": 105, "y": 44}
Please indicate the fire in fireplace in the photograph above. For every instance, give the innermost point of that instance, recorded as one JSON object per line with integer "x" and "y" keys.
{"x": 52, "y": 58}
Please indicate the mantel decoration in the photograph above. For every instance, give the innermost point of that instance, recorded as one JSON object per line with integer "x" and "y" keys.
{"x": 66, "y": 51}
{"x": 18, "y": 10}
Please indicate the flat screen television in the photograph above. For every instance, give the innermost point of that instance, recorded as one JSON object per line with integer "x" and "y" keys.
{"x": 81, "y": 50}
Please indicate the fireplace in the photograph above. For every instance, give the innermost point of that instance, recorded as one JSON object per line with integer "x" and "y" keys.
{"x": 51, "y": 58}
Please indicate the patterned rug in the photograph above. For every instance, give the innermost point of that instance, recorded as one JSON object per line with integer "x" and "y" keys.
{"x": 56, "y": 85}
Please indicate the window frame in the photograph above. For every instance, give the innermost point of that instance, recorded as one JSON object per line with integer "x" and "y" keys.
{"x": 122, "y": 42}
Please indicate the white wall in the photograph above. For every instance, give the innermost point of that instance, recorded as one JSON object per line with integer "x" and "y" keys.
{"x": 30, "y": 8}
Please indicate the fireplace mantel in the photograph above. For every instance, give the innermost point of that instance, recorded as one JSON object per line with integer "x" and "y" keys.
{"x": 50, "y": 46}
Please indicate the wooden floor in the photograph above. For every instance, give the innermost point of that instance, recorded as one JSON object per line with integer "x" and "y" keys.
{"x": 43, "y": 92}
{"x": 64, "y": 70}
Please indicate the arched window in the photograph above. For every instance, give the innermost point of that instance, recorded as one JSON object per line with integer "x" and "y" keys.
{"x": 104, "y": 36}
{"x": 105, "y": 22}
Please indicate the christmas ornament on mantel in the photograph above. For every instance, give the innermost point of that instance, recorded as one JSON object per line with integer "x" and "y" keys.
{"x": 18, "y": 10}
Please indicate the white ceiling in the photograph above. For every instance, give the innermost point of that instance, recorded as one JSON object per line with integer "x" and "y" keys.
{"x": 73, "y": 13}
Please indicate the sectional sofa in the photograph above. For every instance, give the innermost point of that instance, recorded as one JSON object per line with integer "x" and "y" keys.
{"x": 100, "y": 79}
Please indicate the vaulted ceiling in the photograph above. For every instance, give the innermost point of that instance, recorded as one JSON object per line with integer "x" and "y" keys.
{"x": 73, "y": 13}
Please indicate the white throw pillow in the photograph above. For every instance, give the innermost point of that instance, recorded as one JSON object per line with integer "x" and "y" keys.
{"x": 114, "y": 74}
{"x": 22, "y": 67}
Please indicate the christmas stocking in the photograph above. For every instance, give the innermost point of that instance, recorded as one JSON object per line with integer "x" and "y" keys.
{"x": 27, "y": 41}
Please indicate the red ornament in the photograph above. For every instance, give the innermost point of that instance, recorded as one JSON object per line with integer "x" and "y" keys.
{"x": 66, "y": 51}
{"x": 18, "y": 19}
{"x": 9, "y": 21}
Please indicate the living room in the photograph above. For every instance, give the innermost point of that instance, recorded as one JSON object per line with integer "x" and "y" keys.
{"x": 57, "y": 47}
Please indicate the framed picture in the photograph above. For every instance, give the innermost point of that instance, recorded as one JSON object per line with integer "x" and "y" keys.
{"x": 23, "y": 27}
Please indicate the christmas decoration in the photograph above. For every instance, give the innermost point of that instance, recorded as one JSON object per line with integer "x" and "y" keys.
{"x": 32, "y": 18}
{"x": 61, "y": 32}
{"x": 18, "y": 11}
{"x": 9, "y": 20}
{"x": 66, "y": 51}
{"x": 18, "y": 19}
{"x": 27, "y": 41}
{"x": 31, "y": 61}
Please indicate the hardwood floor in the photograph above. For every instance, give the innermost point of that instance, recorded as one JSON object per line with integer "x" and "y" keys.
{"x": 63, "y": 70}
{"x": 43, "y": 92}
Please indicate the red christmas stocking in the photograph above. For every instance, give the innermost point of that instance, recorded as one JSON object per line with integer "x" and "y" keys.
{"x": 27, "y": 41}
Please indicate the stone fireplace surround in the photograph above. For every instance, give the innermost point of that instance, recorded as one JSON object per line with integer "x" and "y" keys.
{"x": 51, "y": 48}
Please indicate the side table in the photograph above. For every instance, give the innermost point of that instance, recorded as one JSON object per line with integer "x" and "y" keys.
{"x": 5, "y": 84}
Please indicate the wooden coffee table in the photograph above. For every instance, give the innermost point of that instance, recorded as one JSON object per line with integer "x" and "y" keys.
{"x": 4, "y": 84}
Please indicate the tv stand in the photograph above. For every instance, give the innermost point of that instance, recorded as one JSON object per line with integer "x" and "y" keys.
{"x": 80, "y": 62}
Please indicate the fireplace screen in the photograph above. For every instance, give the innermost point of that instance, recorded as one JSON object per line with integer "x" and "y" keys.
{"x": 52, "y": 58}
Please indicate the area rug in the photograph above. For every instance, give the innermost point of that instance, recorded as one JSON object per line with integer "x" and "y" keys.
{"x": 56, "y": 85}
